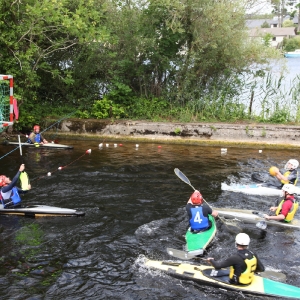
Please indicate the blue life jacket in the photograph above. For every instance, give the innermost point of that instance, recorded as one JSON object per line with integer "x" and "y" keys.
{"x": 15, "y": 197}
{"x": 198, "y": 221}
{"x": 13, "y": 200}
{"x": 37, "y": 138}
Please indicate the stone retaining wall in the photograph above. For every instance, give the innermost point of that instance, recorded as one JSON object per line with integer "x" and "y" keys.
{"x": 204, "y": 133}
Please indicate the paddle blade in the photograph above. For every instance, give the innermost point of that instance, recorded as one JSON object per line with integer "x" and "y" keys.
{"x": 181, "y": 176}
{"x": 24, "y": 180}
{"x": 273, "y": 275}
{"x": 261, "y": 225}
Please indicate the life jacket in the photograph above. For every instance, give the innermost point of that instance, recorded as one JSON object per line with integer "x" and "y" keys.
{"x": 290, "y": 216}
{"x": 12, "y": 199}
{"x": 198, "y": 221}
{"x": 37, "y": 138}
{"x": 286, "y": 174}
{"x": 247, "y": 276}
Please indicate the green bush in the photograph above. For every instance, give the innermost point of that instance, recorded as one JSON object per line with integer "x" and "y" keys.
{"x": 103, "y": 109}
{"x": 291, "y": 44}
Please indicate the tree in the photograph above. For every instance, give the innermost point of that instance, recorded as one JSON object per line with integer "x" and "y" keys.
{"x": 288, "y": 23}
{"x": 265, "y": 24}
{"x": 35, "y": 37}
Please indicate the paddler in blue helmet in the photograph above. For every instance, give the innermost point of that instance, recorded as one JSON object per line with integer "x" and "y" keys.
{"x": 9, "y": 193}
{"x": 291, "y": 174}
{"x": 36, "y": 137}
{"x": 242, "y": 265}
{"x": 287, "y": 208}
{"x": 198, "y": 213}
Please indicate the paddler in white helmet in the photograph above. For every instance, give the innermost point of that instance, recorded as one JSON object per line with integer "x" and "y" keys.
{"x": 242, "y": 265}
{"x": 287, "y": 208}
{"x": 291, "y": 174}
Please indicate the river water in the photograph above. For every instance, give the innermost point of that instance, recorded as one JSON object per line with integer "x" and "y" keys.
{"x": 134, "y": 209}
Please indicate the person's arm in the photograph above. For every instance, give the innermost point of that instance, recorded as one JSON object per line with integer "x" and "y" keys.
{"x": 44, "y": 140}
{"x": 14, "y": 181}
{"x": 280, "y": 177}
{"x": 225, "y": 263}
{"x": 188, "y": 210}
{"x": 259, "y": 267}
{"x": 32, "y": 137}
{"x": 210, "y": 211}
{"x": 214, "y": 213}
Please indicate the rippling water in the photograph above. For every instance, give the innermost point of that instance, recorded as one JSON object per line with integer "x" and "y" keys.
{"x": 134, "y": 207}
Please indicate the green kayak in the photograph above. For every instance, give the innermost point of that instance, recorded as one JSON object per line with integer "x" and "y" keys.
{"x": 197, "y": 241}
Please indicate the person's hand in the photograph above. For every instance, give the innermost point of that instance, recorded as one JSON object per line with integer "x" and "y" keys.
{"x": 273, "y": 208}
{"x": 209, "y": 259}
{"x": 267, "y": 217}
{"x": 22, "y": 168}
{"x": 45, "y": 141}
{"x": 29, "y": 187}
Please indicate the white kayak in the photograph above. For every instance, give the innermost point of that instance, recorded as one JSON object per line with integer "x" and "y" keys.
{"x": 254, "y": 189}
{"x": 252, "y": 216}
{"x": 40, "y": 211}
{"x": 49, "y": 145}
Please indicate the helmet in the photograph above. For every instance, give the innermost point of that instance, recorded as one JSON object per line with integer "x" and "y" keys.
{"x": 289, "y": 188}
{"x": 36, "y": 127}
{"x": 2, "y": 180}
{"x": 293, "y": 162}
{"x": 242, "y": 239}
{"x": 197, "y": 198}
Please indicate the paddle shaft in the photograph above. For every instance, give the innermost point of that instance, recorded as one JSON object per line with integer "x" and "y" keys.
{"x": 181, "y": 176}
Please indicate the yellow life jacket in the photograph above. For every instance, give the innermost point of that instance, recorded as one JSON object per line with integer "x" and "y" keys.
{"x": 286, "y": 174}
{"x": 290, "y": 216}
{"x": 247, "y": 276}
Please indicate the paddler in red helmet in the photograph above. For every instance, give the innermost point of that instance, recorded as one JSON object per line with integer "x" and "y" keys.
{"x": 36, "y": 137}
{"x": 198, "y": 213}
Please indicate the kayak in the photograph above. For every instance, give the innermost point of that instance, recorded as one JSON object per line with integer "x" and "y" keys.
{"x": 254, "y": 189}
{"x": 252, "y": 216}
{"x": 40, "y": 211}
{"x": 49, "y": 145}
{"x": 196, "y": 243}
{"x": 201, "y": 273}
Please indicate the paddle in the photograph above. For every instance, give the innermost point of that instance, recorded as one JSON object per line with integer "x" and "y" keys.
{"x": 223, "y": 220}
{"x": 186, "y": 180}
{"x": 261, "y": 224}
{"x": 24, "y": 179}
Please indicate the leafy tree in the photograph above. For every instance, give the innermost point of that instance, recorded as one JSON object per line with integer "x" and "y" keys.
{"x": 288, "y": 23}
{"x": 39, "y": 40}
{"x": 265, "y": 24}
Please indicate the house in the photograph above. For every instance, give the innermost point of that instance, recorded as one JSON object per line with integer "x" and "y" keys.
{"x": 256, "y": 23}
{"x": 278, "y": 34}
{"x": 275, "y": 23}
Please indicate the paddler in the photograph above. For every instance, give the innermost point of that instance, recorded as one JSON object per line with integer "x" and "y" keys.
{"x": 242, "y": 265}
{"x": 198, "y": 213}
{"x": 287, "y": 208}
{"x": 9, "y": 193}
{"x": 291, "y": 174}
{"x": 36, "y": 137}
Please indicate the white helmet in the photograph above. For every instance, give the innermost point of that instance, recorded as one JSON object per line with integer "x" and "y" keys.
{"x": 242, "y": 239}
{"x": 293, "y": 162}
{"x": 289, "y": 188}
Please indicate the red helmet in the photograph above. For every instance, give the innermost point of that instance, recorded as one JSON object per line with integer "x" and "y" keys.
{"x": 2, "y": 180}
{"x": 197, "y": 198}
{"x": 36, "y": 127}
